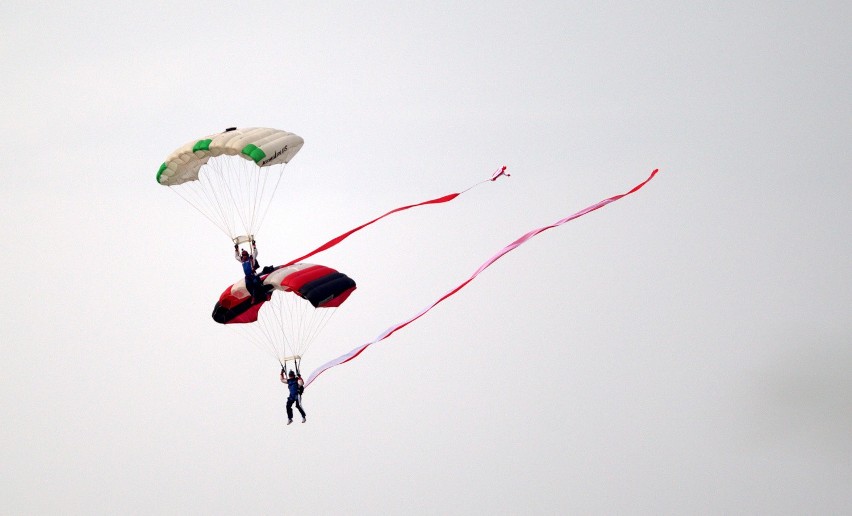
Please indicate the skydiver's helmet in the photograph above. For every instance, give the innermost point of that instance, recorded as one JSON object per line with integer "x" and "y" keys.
{"x": 292, "y": 374}
{"x": 244, "y": 256}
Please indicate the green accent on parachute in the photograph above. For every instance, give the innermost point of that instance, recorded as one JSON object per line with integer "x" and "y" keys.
{"x": 251, "y": 150}
{"x": 160, "y": 172}
{"x": 201, "y": 145}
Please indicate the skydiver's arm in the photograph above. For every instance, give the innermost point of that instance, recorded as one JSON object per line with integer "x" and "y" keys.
{"x": 254, "y": 263}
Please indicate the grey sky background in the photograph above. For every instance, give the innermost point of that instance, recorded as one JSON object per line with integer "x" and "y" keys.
{"x": 684, "y": 350}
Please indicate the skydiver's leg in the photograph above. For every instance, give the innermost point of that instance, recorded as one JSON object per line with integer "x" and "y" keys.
{"x": 290, "y": 409}
{"x": 254, "y": 287}
{"x": 299, "y": 406}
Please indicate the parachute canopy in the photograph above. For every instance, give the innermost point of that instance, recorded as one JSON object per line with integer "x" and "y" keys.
{"x": 295, "y": 304}
{"x": 231, "y": 177}
{"x": 321, "y": 286}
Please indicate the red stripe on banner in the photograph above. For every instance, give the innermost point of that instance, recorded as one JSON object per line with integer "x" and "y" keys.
{"x": 446, "y": 198}
{"x": 517, "y": 243}
{"x": 336, "y": 240}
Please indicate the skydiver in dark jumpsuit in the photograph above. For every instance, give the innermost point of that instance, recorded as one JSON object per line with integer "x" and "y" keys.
{"x": 294, "y": 384}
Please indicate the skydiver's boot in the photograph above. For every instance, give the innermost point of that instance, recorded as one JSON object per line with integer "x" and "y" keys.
{"x": 289, "y": 421}
{"x": 304, "y": 419}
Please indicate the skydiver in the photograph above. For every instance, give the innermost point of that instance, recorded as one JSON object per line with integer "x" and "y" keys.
{"x": 249, "y": 263}
{"x": 296, "y": 386}
{"x": 244, "y": 257}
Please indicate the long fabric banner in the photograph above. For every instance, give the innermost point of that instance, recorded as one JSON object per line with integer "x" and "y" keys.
{"x": 447, "y": 198}
{"x": 342, "y": 359}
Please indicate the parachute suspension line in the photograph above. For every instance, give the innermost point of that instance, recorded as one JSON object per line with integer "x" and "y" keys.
{"x": 211, "y": 194}
{"x": 214, "y": 185}
{"x": 251, "y": 192}
{"x": 276, "y": 317}
{"x": 253, "y": 336}
{"x": 303, "y": 321}
{"x": 289, "y": 324}
{"x": 269, "y": 328}
{"x": 267, "y": 323}
{"x": 265, "y": 327}
{"x": 319, "y": 319}
{"x": 234, "y": 183}
{"x": 195, "y": 201}
{"x": 279, "y": 169}
{"x": 233, "y": 193}
{"x": 264, "y": 334}
{"x": 245, "y": 183}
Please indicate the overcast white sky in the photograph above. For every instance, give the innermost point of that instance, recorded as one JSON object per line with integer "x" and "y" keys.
{"x": 685, "y": 350}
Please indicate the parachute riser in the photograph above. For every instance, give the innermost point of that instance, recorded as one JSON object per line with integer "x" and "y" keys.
{"x": 296, "y": 359}
{"x": 243, "y": 239}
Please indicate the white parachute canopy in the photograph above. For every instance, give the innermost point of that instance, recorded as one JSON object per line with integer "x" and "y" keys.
{"x": 231, "y": 177}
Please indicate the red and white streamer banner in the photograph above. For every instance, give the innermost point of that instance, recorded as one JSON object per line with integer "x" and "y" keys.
{"x": 342, "y": 359}
{"x": 447, "y": 198}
